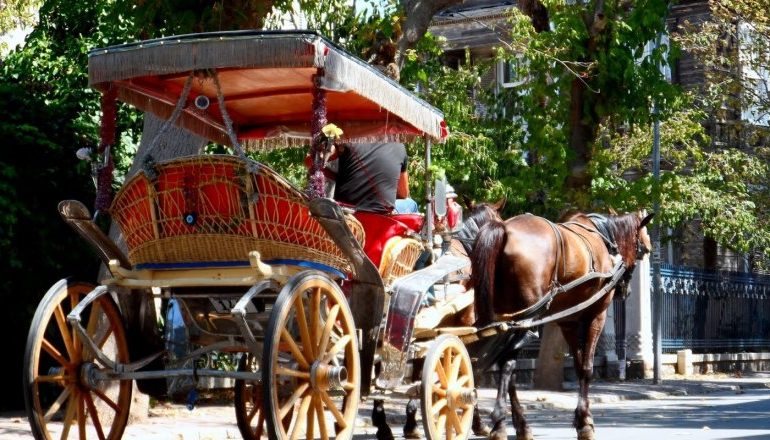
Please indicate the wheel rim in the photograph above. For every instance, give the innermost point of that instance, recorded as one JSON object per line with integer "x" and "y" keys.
{"x": 313, "y": 377}
{"x": 448, "y": 392}
{"x": 249, "y": 410}
{"x": 63, "y": 398}
{"x": 248, "y": 402}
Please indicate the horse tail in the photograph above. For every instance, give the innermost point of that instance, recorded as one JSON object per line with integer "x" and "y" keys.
{"x": 486, "y": 249}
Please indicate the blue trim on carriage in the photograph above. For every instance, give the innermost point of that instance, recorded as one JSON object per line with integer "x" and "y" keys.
{"x": 204, "y": 264}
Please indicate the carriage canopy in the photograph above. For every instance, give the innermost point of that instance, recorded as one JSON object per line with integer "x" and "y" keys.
{"x": 266, "y": 82}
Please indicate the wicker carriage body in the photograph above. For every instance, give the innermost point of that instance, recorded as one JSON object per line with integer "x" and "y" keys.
{"x": 213, "y": 210}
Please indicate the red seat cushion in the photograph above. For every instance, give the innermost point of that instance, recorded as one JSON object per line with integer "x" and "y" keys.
{"x": 380, "y": 228}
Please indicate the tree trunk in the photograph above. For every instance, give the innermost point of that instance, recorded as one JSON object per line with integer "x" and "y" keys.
{"x": 581, "y": 136}
{"x": 549, "y": 372}
{"x": 417, "y": 17}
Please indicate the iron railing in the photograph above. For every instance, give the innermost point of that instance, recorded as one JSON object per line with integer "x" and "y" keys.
{"x": 710, "y": 311}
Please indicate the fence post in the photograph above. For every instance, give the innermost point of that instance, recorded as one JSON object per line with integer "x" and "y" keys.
{"x": 639, "y": 323}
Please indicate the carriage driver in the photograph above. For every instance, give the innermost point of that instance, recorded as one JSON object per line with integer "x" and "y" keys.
{"x": 372, "y": 177}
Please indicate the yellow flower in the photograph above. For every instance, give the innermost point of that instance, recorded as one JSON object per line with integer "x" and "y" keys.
{"x": 331, "y": 131}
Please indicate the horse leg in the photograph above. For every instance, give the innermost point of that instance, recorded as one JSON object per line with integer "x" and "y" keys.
{"x": 582, "y": 338}
{"x": 498, "y": 414}
{"x": 478, "y": 426}
{"x": 517, "y": 413}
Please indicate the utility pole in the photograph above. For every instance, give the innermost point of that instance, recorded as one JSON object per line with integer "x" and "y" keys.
{"x": 657, "y": 297}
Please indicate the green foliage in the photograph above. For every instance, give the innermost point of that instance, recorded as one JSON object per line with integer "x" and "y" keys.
{"x": 719, "y": 187}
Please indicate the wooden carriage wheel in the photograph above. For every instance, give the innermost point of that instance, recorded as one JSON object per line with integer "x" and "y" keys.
{"x": 63, "y": 398}
{"x": 248, "y": 403}
{"x": 311, "y": 371}
{"x": 448, "y": 393}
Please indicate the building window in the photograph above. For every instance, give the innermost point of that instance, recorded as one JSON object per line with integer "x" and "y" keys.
{"x": 507, "y": 73}
{"x": 755, "y": 72}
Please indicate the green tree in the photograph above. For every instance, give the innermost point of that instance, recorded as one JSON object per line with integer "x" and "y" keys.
{"x": 725, "y": 189}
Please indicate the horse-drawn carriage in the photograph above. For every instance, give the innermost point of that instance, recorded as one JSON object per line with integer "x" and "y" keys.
{"x": 222, "y": 254}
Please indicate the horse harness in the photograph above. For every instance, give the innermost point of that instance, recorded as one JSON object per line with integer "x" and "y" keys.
{"x": 544, "y": 303}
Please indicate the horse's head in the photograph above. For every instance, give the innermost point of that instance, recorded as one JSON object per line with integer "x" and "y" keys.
{"x": 629, "y": 232}
{"x": 643, "y": 242}
{"x": 483, "y": 213}
{"x": 479, "y": 215}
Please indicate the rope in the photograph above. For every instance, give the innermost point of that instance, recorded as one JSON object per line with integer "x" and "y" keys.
{"x": 226, "y": 118}
{"x": 180, "y": 104}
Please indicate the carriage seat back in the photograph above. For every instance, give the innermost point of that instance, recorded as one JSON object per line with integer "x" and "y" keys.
{"x": 212, "y": 210}
{"x": 380, "y": 228}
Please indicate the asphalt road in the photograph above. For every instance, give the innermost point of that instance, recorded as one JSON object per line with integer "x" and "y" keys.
{"x": 734, "y": 414}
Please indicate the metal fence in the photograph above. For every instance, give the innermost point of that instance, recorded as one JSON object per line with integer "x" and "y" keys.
{"x": 714, "y": 311}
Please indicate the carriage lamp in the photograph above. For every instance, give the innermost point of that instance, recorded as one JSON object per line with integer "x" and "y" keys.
{"x": 202, "y": 102}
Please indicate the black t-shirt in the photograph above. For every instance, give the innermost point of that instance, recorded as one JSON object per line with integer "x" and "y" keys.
{"x": 368, "y": 175}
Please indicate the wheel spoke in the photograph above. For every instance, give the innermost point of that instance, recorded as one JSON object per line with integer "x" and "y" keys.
{"x": 441, "y": 423}
{"x": 447, "y": 363}
{"x": 333, "y": 408}
{"x": 93, "y": 320}
{"x": 283, "y": 371}
{"x": 441, "y": 375}
{"x": 69, "y": 414}
{"x": 57, "y": 404}
{"x": 438, "y": 406}
{"x": 51, "y": 350}
{"x": 81, "y": 416}
{"x": 345, "y": 340}
{"x": 315, "y": 315}
{"x": 304, "y": 335}
{"x": 463, "y": 380}
{"x": 106, "y": 399}
{"x": 253, "y": 412}
{"x": 449, "y": 433}
{"x": 467, "y": 415}
{"x": 438, "y": 390}
{"x": 286, "y": 337}
{"x": 292, "y": 400}
{"x": 54, "y": 378}
{"x": 327, "y": 331}
{"x": 260, "y": 424}
{"x": 321, "y": 419}
{"x": 301, "y": 417}
{"x": 455, "y": 368}
{"x": 311, "y": 419}
{"x": 61, "y": 322}
{"x": 94, "y": 415}
{"x": 454, "y": 421}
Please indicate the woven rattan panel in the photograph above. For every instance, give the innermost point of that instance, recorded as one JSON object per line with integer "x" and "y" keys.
{"x": 214, "y": 208}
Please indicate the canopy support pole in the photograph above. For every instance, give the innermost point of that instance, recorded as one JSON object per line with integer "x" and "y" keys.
{"x": 316, "y": 182}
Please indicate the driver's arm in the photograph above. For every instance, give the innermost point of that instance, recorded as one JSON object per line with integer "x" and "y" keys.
{"x": 402, "y": 191}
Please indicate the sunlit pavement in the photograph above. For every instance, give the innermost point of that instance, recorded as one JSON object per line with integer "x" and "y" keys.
{"x": 705, "y": 407}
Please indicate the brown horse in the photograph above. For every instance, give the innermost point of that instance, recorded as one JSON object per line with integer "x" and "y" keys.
{"x": 519, "y": 268}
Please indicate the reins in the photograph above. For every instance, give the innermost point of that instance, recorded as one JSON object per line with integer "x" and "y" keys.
{"x": 617, "y": 272}
{"x": 544, "y": 303}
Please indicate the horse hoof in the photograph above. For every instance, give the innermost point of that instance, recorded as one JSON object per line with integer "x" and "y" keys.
{"x": 586, "y": 433}
{"x": 526, "y": 435}
{"x": 482, "y": 430}
{"x": 412, "y": 434}
{"x": 498, "y": 435}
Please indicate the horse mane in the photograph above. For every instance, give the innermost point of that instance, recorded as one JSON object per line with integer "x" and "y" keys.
{"x": 624, "y": 229}
{"x": 621, "y": 229}
{"x": 482, "y": 214}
